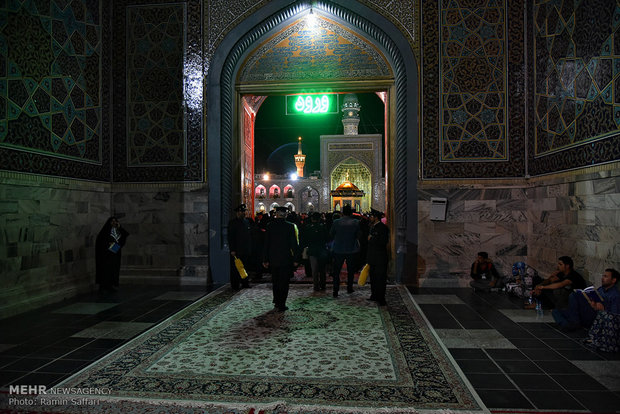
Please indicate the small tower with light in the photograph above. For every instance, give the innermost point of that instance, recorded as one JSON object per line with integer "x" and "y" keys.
{"x": 351, "y": 114}
{"x": 300, "y": 160}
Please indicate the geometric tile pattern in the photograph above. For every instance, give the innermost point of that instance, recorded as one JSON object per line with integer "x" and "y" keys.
{"x": 155, "y": 106}
{"x": 577, "y": 77}
{"x": 157, "y": 85}
{"x": 575, "y": 92}
{"x": 473, "y": 84}
{"x": 404, "y": 14}
{"x": 50, "y": 56}
{"x": 472, "y": 89}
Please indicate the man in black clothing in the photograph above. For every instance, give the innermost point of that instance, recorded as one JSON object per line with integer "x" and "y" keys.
{"x": 555, "y": 290}
{"x": 280, "y": 254}
{"x": 240, "y": 245}
{"x": 314, "y": 237}
{"x": 346, "y": 233}
{"x": 377, "y": 257}
{"x": 484, "y": 274}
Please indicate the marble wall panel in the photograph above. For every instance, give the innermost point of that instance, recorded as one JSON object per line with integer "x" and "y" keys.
{"x": 606, "y": 217}
{"x": 557, "y": 190}
{"x": 47, "y": 239}
{"x": 546, "y": 224}
{"x": 511, "y": 205}
{"x": 612, "y": 201}
{"x": 480, "y": 228}
{"x": 584, "y": 188}
{"x": 195, "y": 239}
{"x": 167, "y": 223}
{"x": 586, "y": 217}
{"x": 518, "y": 194}
{"x": 593, "y": 202}
{"x": 605, "y": 186}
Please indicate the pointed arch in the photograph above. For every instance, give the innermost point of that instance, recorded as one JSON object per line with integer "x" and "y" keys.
{"x": 357, "y": 172}
{"x": 403, "y": 138}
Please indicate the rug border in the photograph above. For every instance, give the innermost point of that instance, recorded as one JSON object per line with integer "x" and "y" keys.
{"x": 292, "y": 405}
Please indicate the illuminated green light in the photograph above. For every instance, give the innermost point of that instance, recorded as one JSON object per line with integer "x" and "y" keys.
{"x": 311, "y": 104}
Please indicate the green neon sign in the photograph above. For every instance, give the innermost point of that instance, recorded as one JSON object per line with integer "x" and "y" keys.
{"x": 311, "y": 104}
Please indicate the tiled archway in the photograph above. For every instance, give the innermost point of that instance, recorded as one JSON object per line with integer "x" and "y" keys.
{"x": 230, "y": 59}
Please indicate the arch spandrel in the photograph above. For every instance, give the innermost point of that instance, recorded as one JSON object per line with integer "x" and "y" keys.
{"x": 325, "y": 51}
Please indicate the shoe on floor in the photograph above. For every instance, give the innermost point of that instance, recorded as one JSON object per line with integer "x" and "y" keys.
{"x": 529, "y": 306}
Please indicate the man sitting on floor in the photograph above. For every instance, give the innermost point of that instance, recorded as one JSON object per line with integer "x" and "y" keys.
{"x": 582, "y": 310}
{"x": 553, "y": 292}
{"x": 484, "y": 273}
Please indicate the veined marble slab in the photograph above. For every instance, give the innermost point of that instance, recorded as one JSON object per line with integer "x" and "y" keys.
{"x": 527, "y": 315}
{"x": 473, "y": 338}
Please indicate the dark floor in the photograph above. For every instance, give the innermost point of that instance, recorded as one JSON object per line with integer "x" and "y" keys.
{"x": 40, "y": 347}
{"x": 527, "y": 365}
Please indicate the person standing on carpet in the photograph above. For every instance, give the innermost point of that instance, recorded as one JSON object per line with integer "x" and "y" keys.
{"x": 240, "y": 245}
{"x": 314, "y": 237}
{"x": 377, "y": 256}
{"x": 346, "y": 233}
{"x": 108, "y": 247}
{"x": 280, "y": 254}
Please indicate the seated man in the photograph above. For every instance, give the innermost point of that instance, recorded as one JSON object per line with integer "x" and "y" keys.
{"x": 553, "y": 291}
{"x": 582, "y": 310}
{"x": 484, "y": 273}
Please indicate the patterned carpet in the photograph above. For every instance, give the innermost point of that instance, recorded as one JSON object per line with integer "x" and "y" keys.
{"x": 230, "y": 353}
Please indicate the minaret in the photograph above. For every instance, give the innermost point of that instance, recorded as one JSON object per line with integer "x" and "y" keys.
{"x": 300, "y": 160}
{"x": 350, "y": 114}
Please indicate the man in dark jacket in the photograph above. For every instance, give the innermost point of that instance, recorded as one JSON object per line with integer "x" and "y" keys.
{"x": 377, "y": 257}
{"x": 314, "y": 237}
{"x": 346, "y": 233}
{"x": 280, "y": 254}
{"x": 240, "y": 245}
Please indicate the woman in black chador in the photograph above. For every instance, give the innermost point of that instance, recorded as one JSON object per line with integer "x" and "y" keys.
{"x": 108, "y": 247}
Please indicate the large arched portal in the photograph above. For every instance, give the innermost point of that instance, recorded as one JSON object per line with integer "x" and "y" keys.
{"x": 272, "y": 52}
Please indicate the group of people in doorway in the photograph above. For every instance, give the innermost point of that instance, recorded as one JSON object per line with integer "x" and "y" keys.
{"x": 278, "y": 243}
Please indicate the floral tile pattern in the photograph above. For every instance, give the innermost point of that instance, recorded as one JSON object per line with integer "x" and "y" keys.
{"x": 322, "y": 352}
